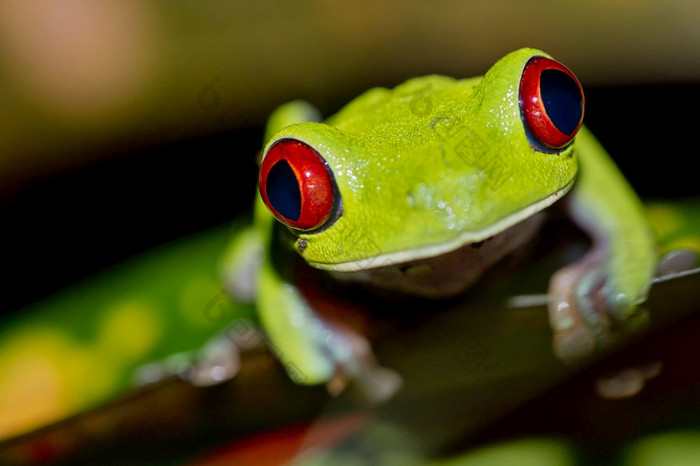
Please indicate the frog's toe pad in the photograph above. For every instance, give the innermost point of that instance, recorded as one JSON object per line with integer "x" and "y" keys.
{"x": 585, "y": 314}
{"x": 626, "y": 383}
{"x": 573, "y": 345}
{"x": 578, "y": 319}
{"x": 380, "y": 384}
{"x": 218, "y": 362}
{"x": 677, "y": 260}
{"x": 375, "y": 384}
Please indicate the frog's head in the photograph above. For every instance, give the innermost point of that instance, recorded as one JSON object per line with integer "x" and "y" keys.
{"x": 427, "y": 167}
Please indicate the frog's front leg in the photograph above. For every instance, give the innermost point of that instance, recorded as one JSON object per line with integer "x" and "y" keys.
{"x": 591, "y": 298}
{"x": 315, "y": 349}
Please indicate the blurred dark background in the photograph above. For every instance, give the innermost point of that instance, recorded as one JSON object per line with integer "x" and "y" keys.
{"x": 128, "y": 124}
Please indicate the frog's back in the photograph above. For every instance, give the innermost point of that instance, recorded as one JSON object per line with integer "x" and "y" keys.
{"x": 405, "y": 109}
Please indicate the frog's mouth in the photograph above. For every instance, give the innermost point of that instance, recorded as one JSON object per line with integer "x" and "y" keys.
{"x": 433, "y": 250}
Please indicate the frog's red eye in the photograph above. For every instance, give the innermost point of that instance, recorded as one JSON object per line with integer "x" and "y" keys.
{"x": 296, "y": 185}
{"x": 551, "y": 102}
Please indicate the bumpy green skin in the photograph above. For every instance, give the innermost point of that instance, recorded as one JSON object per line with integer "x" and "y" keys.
{"x": 434, "y": 164}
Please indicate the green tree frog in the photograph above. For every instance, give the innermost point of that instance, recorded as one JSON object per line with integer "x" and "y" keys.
{"x": 421, "y": 188}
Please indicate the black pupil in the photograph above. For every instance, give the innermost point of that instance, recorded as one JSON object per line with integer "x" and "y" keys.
{"x": 562, "y": 100}
{"x": 283, "y": 190}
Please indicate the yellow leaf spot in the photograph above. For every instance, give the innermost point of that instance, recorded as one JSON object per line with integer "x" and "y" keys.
{"x": 130, "y": 330}
{"x": 34, "y": 381}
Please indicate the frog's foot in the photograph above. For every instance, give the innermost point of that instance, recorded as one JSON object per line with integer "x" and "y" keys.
{"x": 217, "y": 361}
{"x": 677, "y": 261}
{"x": 356, "y": 366}
{"x": 220, "y": 358}
{"x": 627, "y": 382}
{"x": 573, "y": 339}
{"x": 584, "y": 313}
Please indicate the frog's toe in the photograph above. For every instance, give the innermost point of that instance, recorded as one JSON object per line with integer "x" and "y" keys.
{"x": 574, "y": 344}
{"x": 356, "y": 366}
{"x": 627, "y": 382}
{"x": 587, "y": 313}
{"x": 581, "y": 315}
{"x": 380, "y": 384}
{"x": 677, "y": 260}
{"x": 573, "y": 338}
{"x": 374, "y": 383}
{"x": 218, "y": 361}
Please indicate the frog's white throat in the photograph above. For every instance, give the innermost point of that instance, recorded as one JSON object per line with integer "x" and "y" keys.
{"x": 433, "y": 250}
